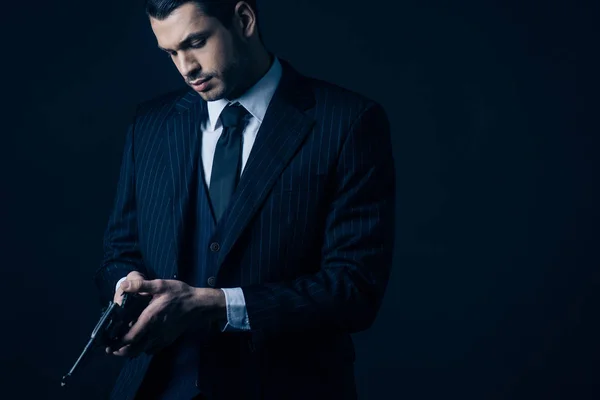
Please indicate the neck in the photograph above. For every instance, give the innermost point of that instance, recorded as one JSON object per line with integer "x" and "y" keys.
{"x": 258, "y": 66}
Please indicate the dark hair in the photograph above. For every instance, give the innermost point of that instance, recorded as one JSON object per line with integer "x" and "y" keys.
{"x": 220, "y": 9}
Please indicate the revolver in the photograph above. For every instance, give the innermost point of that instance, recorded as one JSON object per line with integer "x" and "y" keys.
{"x": 112, "y": 326}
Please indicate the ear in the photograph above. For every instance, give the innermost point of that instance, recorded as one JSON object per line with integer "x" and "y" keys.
{"x": 245, "y": 19}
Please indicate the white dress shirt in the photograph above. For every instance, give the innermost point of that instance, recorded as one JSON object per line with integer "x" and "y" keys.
{"x": 256, "y": 100}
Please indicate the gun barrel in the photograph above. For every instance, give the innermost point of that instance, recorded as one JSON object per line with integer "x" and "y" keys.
{"x": 83, "y": 354}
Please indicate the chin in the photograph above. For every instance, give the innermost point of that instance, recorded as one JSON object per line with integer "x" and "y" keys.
{"x": 212, "y": 94}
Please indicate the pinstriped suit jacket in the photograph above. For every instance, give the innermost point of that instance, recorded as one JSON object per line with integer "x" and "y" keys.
{"x": 308, "y": 234}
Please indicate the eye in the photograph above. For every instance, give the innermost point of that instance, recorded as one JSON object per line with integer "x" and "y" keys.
{"x": 198, "y": 43}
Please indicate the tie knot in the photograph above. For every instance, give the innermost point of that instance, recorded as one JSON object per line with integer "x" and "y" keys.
{"x": 233, "y": 115}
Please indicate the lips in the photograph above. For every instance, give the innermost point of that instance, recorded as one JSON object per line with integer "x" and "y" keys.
{"x": 201, "y": 85}
{"x": 199, "y": 82}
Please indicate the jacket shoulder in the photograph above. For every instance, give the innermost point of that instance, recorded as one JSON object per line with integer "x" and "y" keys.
{"x": 161, "y": 103}
{"x": 329, "y": 94}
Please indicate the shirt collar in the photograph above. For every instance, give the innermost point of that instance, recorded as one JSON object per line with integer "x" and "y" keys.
{"x": 256, "y": 99}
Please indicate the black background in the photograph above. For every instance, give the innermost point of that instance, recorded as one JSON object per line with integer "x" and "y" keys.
{"x": 493, "y": 293}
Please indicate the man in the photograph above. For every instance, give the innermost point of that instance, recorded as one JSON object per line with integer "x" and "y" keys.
{"x": 256, "y": 208}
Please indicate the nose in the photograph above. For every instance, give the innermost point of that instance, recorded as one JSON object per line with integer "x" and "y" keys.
{"x": 186, "y": 64}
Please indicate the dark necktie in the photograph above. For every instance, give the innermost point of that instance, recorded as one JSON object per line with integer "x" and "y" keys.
{"x": 228, "y": 159}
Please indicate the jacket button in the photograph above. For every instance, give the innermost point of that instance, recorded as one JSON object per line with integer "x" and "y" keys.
{"x": 174, "y": 276}
{"x": 214, "y": 246}
{"x": 211, "y": 281}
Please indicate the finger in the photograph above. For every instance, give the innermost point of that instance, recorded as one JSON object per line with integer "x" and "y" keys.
{"x": 131, "y": 349}
{"x": 124, "y": 351}
{"x": 140, "y": 345}
{"x": 140, "y": 327}
{"x": 142, "y": 286}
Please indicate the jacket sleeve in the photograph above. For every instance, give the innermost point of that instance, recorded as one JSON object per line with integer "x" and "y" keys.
{"x": 121, "y": 249}
{"x": 346, "y": 293}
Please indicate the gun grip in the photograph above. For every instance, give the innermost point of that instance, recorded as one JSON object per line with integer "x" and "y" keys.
{"x": 130, "y": 309}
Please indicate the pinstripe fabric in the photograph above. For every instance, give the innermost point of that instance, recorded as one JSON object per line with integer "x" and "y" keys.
{"x": 308, "y": 235}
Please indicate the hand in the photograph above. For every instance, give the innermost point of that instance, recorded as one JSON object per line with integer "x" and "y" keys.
{"x": 175, "y": 308}
{"x": 118, "y": 298}
{"x": 133, "y": 275}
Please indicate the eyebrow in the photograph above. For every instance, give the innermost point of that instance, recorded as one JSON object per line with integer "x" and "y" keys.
{"x": 190, "y": 38}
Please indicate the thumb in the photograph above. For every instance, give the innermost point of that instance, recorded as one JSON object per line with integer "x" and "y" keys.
{"x": 138, "y": 285}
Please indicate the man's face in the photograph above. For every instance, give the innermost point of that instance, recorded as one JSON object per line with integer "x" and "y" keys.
{"x": 208, "y": 56}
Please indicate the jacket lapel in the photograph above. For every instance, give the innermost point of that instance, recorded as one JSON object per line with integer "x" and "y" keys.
{"x": 183, "y": 152}
{"x": 282, "y": 131}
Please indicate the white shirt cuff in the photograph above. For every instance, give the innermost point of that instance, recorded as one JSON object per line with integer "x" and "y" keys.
{"x": 237, "y": 316}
